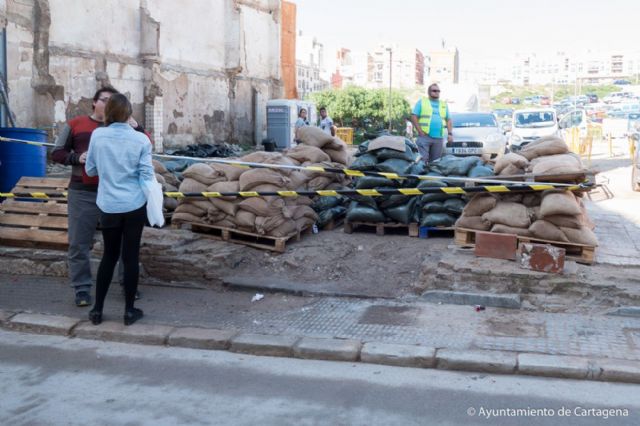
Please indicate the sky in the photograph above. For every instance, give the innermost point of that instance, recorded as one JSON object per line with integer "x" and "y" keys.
{"x": 481, "y": 30}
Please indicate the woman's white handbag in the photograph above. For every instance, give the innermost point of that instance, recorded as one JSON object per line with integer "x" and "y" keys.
{"x": 153, "y": 191}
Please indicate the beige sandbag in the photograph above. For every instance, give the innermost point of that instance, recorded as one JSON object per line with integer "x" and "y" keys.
{"x": 226, "y": 223}
{"x": 566, "y": 221}
{"x": 547, "y": 231}
{"x": 479, "y": 204}
{"x": 514, "y": 197}
{"x": 299, "y": 179}
{"x": 161, "y": 180}
{"x": 230, "y": 172}
{"x": 254, "y": 177}
{"x": 158, "y": 167}
{"x": 304, "y": 222}
{"x": 547, "y": 145}
{"x": 298, "y": 201}
{"x": 587, "y": 222}
{"x": 534, "y": 213}
{"x": 245, "y": 219}
{"x": 336, "y": 144}
{"x": 186, "y": 217}
{"x": 511, "y": 170}
{"x": 511, "y": 158}
{"x": 338, "y": 155}
{"x": 287, "y": 228}
{"x": 510, "y": 214}
{"x": 226, "y": 186}
{"x": 318, "y": 183}
{"x": 392, "y": 142}
{"x": 304, "y": 153}
{"x": 171, "y": 179}
{"x": 532, "y": 199}
{"x": 557, "y": 164}
{"x": 559, "y": 203}
{"x": 285, "y": 161}
{"x": 313, "y": 136}
{"x": 191, "y": 209}
{"x": 259, "y": 156}
{"x": 303, "y": 211}
{"x": 169, "y": 203}
{"x": 335, "y": 186}
{"x": 504, "y": 229}
{"x": 214, "y": 215}
{"x": 267, "y": 187}
{"x": 203, "y": 174}
{"x": 264, "y": 224}
{"x": 473, "y": 222}
{"x": 260, "y": 207}
{"x": 583, "y": 235}
{"x": 228, "y": 207}
{"x": 192, "y": 185}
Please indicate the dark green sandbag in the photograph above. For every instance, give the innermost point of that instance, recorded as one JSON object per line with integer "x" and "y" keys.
{"x": 427, "y": 198}
{"x": 360, "y": 213}
{"x": 411, "y": 144}
{"x": 454, "y": 206}
{"x": 433, "y": 207}
{"x": 437, "y": 219}
{"x": 326, "y": 216}
{"x": 325, "y": 203}
{"x": 431, "y": 184}
{"x": 402, "y": 213}
{"x": 362, "y": 148}
{"x": 368, "y": 182}
{"x": 479, "y": 171}
{"x": 364, "y": 162}
{"x": 418, "y": 168}
{"x": 388, "y": 201}
{"x": 450, "y": 165}
{"x": 387, "y": 153}
{"x": 363, "y": 200}
{"x": 394, "y": 165}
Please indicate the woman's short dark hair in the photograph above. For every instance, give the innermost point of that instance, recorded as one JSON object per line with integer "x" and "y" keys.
{"x": 118, "y": 109}
{"x": 301, "y": 111}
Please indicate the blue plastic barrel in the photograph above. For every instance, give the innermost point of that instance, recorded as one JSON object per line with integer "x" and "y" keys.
{"x": 17, "y": 159}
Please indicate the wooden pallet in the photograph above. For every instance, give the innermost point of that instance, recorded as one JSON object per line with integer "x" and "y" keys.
{"x": 381, "y": 228}
{"x": 221, "y": 233}
{"x": 333, "y": 224}
{"x": 580, "y": 253}
{"x": 40, "y": 224}
{"x": 431, "y": 230}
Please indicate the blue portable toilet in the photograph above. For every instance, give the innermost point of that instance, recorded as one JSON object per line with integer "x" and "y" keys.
{"x": 282, "y": 115}
{"x": 18, "y": 159}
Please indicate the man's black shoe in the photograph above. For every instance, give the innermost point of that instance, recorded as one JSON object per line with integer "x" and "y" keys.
{"x": 95, "y": 317}
{"x": 132, "y": 315}
{"x": 83, "y": 298}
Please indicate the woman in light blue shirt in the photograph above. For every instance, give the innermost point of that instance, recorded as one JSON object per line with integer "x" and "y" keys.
{"x": 121, "y": 158}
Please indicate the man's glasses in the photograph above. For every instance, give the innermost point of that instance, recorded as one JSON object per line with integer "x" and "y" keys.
{"x": 435, "y": 91}
{"x": 104, "y": 99}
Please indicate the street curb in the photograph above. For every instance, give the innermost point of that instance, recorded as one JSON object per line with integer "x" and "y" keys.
{"x": 509, "y": 301}
{"x": 416, "y": 356}
{"x": 43, "y": 324}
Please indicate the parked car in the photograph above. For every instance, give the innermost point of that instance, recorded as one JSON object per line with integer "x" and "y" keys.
{"x": 501, "y": 113}
{"x": 616, "y": 97}
{"x": 529, "y": 125}
{"x": 515, "y": 101}
{"x": 593, "y": 98}
{"x": 476, "y": 133}
{"x": 621, "y": 82}
{"x": 576, "y": 118}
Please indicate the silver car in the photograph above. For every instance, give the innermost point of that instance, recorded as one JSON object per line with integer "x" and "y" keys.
{"x": 476, "y": 133}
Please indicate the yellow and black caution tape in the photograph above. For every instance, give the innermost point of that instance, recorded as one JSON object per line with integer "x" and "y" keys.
{"x": 322, "y": 169}
{"x": 332, "y": 193}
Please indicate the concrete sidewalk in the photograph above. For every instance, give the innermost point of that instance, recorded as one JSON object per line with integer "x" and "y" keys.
{"x": 407, "y": 332}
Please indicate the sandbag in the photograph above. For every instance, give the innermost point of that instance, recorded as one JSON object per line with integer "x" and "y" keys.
{"x": 387, "y": 153}
{"x": 285, "y": 161}
{"x": 364, "y": 200}
{"x": 427, "y": 198}
{"x": 260, "y": 207}
{"x": 434, "y": 207}
{"x": 511, "y": 158}
{"x": 245, "y": 219}
{"x": 547, "y": 231}
{"x": 338, "y": 155}
{"x": 160, "y": 179}
{"x": 450, "y": 165}
{"x": 566, "y": 221}
{"x": 259, "y": 156}
{"x": 226, "y": 223}
{"x": 303, "y": 153}
{"x": 303, "y": 211}
{"x": 361, "y": 213}
{"x": 158, "y": 167}
{"x": 226, "y": 206}
{"x": 510, "y": 214}
{"x": 431, "y": 184}
{"x": 228, "y": 171}
{"x": 512, "y": 170}
{"x": 504, "y": 229}
{"x": 298, "y": 179}
{"x": 313, "y": 136}
{"x": 364, "y": 162}
{"x": 395, "y": 143}
{"x": 203, "y": 174}
{"x": 170, "y": 179}
{"x": 513, "y": 197}
{"x": 192, "y": 185}
{"x": 394, "y": 165}
{"x": 171, "y": 188}
{"x": 186, "y": 217}
{"x": 480, "y": 171}
{"x": 225, "y": 186}
{"x": 480, "y": 204}
{"x": 368, "y": 182}
{"x": 254, "y": 177}
{"x": 287, "y": 228}
{"x": 583, "y": 235}
{"x": 304, "y": 223}
{"x": 169, "y": 203}
{"x": 265, "y": 224}
{"x": 556, "y": 164}
{"x": 191, "y": 209}
{"x": 534, "y": 213}
{"x": 388, "y": 201}
{"x": 473, "y": 222}
{"x": 325, "y": 203}
{"x": 319, "y": 183}
{"x": 402, "y": 213}
{"x": 326, "y": 216}
{"x": 454, "y": 206}
{"x": 547, "y": 145}
{"x": 267, "y": 187}
{"x": 336, "y": 144}
{"x": 559, "y": 203}
{"x": 532, "y": 199}
{"x": 437, "y": 219}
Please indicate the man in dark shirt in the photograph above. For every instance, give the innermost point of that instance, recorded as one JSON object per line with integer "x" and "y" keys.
{"x": 71, "y": 149}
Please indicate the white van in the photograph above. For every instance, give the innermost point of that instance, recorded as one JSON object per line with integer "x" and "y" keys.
{"x": 530, "y": 124}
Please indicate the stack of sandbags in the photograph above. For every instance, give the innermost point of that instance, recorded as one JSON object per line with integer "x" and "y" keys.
{"x": 548, "y": 155}
{"x": 169, "y": 182}
{"x": 331, "y": 146}
{"x": 554, "y": 215}
{"x": 270, "y": 215}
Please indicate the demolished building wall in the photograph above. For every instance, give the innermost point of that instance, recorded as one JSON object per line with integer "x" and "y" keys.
{"x": 200, "y": 72}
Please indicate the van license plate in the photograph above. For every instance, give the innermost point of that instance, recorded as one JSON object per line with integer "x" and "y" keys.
{"x": 467, "y": 150}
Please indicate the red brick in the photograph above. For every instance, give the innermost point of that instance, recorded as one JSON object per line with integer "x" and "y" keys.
{"x": 541, "y": 257}
{"x": 497, "y": 246}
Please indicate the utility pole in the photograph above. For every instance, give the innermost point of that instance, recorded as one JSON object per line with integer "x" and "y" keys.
{"x": 390, "y": 81}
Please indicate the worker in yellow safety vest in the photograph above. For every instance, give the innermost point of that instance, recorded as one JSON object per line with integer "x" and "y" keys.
{"x": 430, "y": 117}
